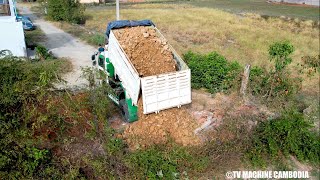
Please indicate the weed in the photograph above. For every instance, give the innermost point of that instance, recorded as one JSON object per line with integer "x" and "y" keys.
{"x": 42, "y": 53}
{"x": 66, "y": 10}
{"x": 289, "y": 134}
{"x": 35, "y": 36}
{"x": 278, "y": 83}
{"x": 155, "y": 163}
{"x": 213, "y": 72}
{"x": 22, "y": 83}
{"x": 95, "y": 39}
{"x": 311, "y": 64}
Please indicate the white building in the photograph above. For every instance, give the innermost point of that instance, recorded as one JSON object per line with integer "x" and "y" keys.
{"x": 11, "y": 32}
{"x": 87, "y": 1}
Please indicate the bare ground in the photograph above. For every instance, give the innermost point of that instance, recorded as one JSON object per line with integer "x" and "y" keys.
{"x": 64, "y": 45}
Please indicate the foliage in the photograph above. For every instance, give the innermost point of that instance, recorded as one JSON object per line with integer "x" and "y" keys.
{"x": 22, "y": 82}
{"x": 35, "y": 36}
{"x": 279, "y": 52}
{"x": 66, "y": 10}
{"x": 42, "y": 53}
{"x": 277, "y": 83}
{"x": 311, "y": 64}
{"x": 213, "y": 72}
{"x": 95, "y": 39}
{"x": 162, "y": 162}
{"x": 153, "y": 164}
{"x": 289, "y": 134}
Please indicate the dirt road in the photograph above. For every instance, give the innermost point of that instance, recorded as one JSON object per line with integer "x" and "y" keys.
{"x": 62, "y": 44}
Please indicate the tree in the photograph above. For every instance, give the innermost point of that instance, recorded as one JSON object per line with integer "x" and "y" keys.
{"x": 66, "y": 10}
{"x": 280, "y": 79}
{"x": 279, "y": 52}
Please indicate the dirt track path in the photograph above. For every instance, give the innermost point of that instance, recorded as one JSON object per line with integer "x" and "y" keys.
{"x": 62, "y": 44}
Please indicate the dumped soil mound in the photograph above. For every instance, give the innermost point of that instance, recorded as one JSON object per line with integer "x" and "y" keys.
{"x": 149, "y": 54}
{"x": 176, "y": 124}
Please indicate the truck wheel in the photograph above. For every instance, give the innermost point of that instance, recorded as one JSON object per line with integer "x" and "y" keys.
{"x": 124, "y": 109}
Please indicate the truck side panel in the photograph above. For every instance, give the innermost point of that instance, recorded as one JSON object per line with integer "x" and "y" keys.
{"x": 166, "y": 91}
{"x": 124, "y": 69}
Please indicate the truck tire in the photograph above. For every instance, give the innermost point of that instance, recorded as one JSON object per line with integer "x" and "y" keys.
{"x": 124, "y": 110}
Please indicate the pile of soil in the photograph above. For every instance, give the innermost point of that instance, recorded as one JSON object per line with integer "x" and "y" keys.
{"x": 149, "y": 54}
{"x": 171, "y": 124}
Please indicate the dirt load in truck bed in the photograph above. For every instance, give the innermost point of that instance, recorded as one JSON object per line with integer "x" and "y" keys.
{"x": 149, "y": 54}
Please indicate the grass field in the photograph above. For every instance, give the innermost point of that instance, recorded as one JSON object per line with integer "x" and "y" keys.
{"x": 205, "y": 29}
{"x": 244, "y": 38}
{"x": 261, "y": 7}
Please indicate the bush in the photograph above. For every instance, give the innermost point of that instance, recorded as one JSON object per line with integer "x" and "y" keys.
{"x": 311, "y": 64}
{"x": 289, "y": 134}
{"x": 279, "y": 52}
{"x": 42, "y": 53}
{"x": 278, "y": 82}
{"x": 95, "y": 39}
{"x": 166, "y": 161}
{"x": 213, "y": 72}
{"x": 66, "y": 10}
{"x": 22, "y": 82}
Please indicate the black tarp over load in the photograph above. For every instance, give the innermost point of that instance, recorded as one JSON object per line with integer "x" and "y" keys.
{"x": 126, "y": 23}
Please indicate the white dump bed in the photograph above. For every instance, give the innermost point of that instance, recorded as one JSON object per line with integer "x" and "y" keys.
{"x": 159, "y": 92}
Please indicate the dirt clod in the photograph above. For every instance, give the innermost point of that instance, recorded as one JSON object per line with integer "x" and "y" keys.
{"x": 149, "y": 54}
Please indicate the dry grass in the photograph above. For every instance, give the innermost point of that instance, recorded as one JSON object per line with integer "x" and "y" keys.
{"x": 243, "y": 38}
{"x": 203, "y": 30}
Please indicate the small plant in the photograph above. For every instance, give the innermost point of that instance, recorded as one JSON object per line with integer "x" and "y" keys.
{"x": 311, "y": 64}
{"x": 280, "y": 52}
{"x": 66, "y": 10}
{"x": 289, "y": 134}
{"x": 154, "y": 164}
{"x": 278, "y": 82}
{"x": 96, "y": 39}
{"x": 23, "y": 84}
{"x": 213, "y": 72}
{"x": 42, "y": 53}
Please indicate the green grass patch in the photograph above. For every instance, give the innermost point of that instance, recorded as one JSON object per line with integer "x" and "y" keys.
{"x": 261, "y": 7}
{"x": 213, "y": 72}
{"x": 35, "y": 36}
{"x": 288, "y": 135}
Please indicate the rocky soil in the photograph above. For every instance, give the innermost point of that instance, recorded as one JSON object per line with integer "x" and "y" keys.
{"x": 149, "y": 54}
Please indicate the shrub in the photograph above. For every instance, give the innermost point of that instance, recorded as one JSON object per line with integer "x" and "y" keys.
{"x": 311, "y": 64}
{"x": 279, "y": 52}
{"x": 21, "y": 82}
{"x": 42, "y": 53}
{"x": 66, "y": 10}
{"x": 163, "y": 162}
{"x": 289, "y": 134}
{"x": 278, "y": 82}
{"x": 95, "y": 39}
{"x": 213, "y": 72}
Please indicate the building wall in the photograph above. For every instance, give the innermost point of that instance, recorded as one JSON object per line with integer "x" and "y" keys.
{"x": 12, "y": 38}
{"x": 89, "y": 1}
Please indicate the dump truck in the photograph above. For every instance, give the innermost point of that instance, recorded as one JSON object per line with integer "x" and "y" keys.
{"x": 158, "y": 92}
